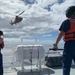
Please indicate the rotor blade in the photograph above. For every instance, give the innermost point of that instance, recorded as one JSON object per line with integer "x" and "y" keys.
{"x": 22, "y": 12}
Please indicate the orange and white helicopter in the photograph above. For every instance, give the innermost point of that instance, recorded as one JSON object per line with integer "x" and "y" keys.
{"x": 17, "y": 19}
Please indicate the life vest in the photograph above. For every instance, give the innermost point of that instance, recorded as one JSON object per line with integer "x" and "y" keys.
{"x": 70, "y": 34}
{"x": 1, "y": 42}
{"x": 2, "y": 45}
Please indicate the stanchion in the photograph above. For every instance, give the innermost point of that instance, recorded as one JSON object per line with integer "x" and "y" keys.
{"x": 31, "y": 54}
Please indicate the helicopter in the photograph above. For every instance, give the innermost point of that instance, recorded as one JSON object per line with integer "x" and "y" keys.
{"x": 17, "y": 19}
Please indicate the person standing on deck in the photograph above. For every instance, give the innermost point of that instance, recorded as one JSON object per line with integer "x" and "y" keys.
{"x": 1, "y": 47}
{"x": 67, "y": 31}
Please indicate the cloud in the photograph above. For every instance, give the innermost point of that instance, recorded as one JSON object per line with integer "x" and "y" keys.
{"x": 43, "y": 16}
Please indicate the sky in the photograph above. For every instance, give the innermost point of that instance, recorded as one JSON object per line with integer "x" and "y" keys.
{"x": 41, "y": 20}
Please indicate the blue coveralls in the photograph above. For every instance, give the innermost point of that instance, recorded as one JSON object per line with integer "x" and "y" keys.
{"x": 68, "y": 55}
{"x": 1, "y": 63}
{"x": 69, "y": 49}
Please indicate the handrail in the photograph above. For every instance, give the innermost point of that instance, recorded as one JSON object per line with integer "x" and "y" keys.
{"x": 55, "y": 49}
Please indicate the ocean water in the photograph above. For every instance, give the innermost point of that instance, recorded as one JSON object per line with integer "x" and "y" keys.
{"x": 7, "y": 56}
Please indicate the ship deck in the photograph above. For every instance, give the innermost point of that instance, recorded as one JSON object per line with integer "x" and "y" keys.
{"x": 34, "y": 71}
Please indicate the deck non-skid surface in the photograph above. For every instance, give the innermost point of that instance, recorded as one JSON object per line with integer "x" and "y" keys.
{"x": 45, "y": 71}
